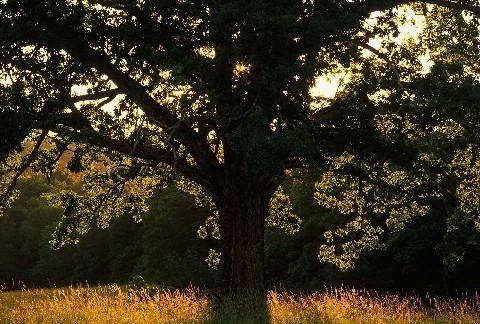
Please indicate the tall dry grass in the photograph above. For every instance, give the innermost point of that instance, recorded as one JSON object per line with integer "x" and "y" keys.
{"x": 114, "y": 305}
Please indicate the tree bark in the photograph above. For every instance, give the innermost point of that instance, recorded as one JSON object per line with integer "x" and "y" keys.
{"x": 243, "y": 210}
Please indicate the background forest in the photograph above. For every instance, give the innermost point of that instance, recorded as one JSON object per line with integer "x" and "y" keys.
{"x": 165, "y": 247}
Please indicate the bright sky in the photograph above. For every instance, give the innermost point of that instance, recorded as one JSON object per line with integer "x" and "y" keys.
{"x": 327, "y": 85}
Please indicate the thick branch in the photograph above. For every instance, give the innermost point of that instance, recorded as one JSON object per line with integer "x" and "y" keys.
{"x": 145, "y": 152}
{"x": 71, "y": 41}
{"x": 328, "y": 114}
{"x": 375, "y": 51}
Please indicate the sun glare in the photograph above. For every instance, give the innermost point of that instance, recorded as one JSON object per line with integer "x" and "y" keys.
{"x": 327, "y": 85}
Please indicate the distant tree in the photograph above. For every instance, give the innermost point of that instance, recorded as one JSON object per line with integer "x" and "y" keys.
{"x": 219, "y": 92}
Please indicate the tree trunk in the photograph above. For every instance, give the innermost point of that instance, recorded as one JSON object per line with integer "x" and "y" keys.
{"x": 243, "y": 210}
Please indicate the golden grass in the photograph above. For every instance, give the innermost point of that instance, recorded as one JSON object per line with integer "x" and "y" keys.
{"x": 113, "y": 305}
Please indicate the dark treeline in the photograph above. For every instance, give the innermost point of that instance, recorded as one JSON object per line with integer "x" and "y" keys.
{"x": 165, "y": 249}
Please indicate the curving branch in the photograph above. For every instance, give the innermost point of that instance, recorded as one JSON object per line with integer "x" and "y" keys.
{"x": 60, "y": 37}
{"x": 87, "y": 134}
{"x": 23, "y": 167}
{"x": 145, "y": 152}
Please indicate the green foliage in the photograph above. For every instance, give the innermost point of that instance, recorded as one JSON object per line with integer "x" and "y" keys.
{"x": 216, "y": 97}
{"x": 426, "y": 118}
{"x": 162, "y": 248}
{"x": 281, "y": 215}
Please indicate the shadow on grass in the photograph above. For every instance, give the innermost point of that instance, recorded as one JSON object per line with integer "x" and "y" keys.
{"x": 239, "y": 309}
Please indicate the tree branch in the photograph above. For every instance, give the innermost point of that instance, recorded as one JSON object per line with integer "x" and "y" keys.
{"x": 387, "y": 60}
{"x": 90, "y": 136}
{"x": 455, "y": 5}
{"x": 23, "y": 167}
{"x": 97, "y": 96}
{"x": 370, "y": 6}
{"x": 145, "y": 152}
{"x": 60, "y": 37}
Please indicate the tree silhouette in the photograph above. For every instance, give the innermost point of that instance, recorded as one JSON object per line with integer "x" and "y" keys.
{"x": 218, "y": 92}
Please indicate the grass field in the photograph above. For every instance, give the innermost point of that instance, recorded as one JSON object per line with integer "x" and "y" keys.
{"x": 113, "y": 305}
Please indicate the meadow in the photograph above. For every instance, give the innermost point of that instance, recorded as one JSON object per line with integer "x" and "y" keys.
{"x": 113, "y": 304}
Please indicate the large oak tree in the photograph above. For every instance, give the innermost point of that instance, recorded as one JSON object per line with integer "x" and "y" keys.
{"x": 218, "y": 92}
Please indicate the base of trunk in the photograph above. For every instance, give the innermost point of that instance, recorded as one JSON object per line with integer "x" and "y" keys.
{"x": 242, "y": 219}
